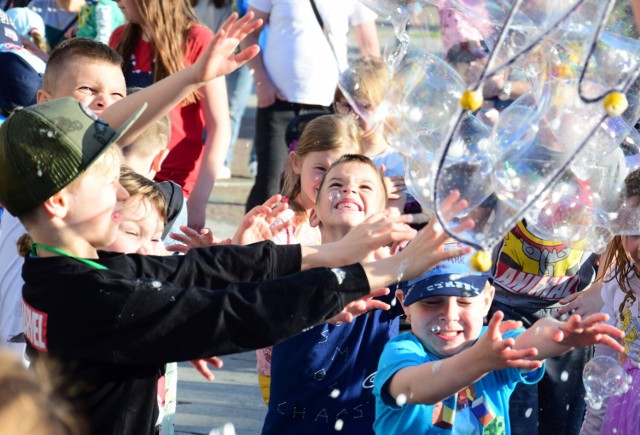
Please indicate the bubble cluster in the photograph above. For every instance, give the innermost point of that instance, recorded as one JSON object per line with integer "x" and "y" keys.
{"x": 556, "y": 153}
{"x": 603, "y": 377}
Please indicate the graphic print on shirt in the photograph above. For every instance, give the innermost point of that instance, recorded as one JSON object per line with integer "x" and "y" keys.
{"x": 34, "y": 323}
{"x": 630, "y": 324}
{"x": 539, "y": 268}
{"x": 470, "y": 413}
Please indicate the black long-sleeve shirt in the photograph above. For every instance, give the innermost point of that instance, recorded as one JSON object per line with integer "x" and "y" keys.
{"x": 114, "y": 329}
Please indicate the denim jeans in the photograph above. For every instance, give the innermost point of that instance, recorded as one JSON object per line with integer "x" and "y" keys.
{"x": 239, "y": 87}
{"x": 271, "y": 148}
{"x": 555, "y": 405}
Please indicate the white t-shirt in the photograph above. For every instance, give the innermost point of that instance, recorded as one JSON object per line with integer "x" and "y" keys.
{"x": 10, "y": 282}
{"x": 297, "y": 55}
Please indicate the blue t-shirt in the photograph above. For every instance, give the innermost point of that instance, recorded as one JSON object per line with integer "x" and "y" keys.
{"x": 325, "y": 374}
{"x": 481, "y": 408}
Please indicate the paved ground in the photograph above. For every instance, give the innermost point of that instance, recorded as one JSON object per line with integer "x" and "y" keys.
{"x": 234, "y": 396}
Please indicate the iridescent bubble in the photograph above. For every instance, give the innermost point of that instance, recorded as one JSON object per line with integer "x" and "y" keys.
{"x": 435, "y": 329}
{"x": 401, "y": 400}
{"x": 339, "y": 425}
{"x": 603, "y": 377}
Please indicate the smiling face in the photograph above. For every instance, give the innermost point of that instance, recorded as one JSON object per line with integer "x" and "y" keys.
{"x": 311, "y": 169}
{"x": 141, "y": 228}
{"x": 350, "y": 192}
{"x": 97, "y": 85}
{"x": 446, "y": 325}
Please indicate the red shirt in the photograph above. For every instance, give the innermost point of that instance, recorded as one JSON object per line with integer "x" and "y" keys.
{"x": 186, "y": 144}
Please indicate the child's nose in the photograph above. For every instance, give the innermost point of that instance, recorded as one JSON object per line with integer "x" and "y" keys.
{"x": 121, "y": 193}
{"x": 449, "y": 311}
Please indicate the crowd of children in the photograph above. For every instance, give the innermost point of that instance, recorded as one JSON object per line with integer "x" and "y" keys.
{"x": 310, "y": 279}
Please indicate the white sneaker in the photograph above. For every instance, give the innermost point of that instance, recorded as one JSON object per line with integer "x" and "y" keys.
{"x": 224, "y": 173}
{"x": 253, "y": 169}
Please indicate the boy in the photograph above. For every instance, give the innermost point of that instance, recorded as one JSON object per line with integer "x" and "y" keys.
{"x": 113, "y": 319}
{"x": 321, "y": 379}
{"x": 451, "y": 373}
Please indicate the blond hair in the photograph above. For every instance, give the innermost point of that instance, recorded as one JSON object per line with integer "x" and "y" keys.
{"x": 324, "y": 133}
{"x": 32, "y": 403}
{"x": 138, "y": 185}
{"x": 368, "y": 79}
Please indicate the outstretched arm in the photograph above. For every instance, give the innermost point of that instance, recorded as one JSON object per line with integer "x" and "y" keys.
{"x": 218, "y": 59}
{"x": 553, "y": 337}
{"x": 432, "y": 382}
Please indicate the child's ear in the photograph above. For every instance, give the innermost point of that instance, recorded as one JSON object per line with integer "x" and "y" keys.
{"x": 294, "y": 160}
{"x": 57, "y": 205}
{"x": 487, "y": 296}
{"x": 314, "y": 220}
{"x": 42, "y": 96}
{"x": 407, "y": 310}
{"x": 158, "y": 159}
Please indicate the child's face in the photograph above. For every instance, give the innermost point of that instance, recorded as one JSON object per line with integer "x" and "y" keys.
{"x": 97, "y": 85}
{"x": 351, "y": 192}
{"x": 458, "y": 320}
{"x": 311, "y": 168}
{"x": 95, "y": 204}
{"x": 631, "y": 245}
{"x": 363, "y": 112}
{"x": 130, "y": 11}
{"x": 141, "y": 228}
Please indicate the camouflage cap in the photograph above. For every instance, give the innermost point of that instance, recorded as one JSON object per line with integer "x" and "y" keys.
{"x": 45, "y": 147}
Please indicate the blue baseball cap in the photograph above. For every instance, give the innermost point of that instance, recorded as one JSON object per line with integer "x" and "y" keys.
{"x": 453, "y": 277}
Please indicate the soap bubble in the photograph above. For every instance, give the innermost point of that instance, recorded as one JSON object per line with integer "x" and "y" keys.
{"x": 435, "y": 329}
{"x": 603, "y": 377}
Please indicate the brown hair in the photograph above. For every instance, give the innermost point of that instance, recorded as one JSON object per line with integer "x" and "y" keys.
{"x": 153, "y": 139}
{"x": 167, "y": 23}
{"x": 324, "y": 133}
{"x": 34, "y": 402}
{"x": 356, "y": 158}
{"x": 73, "y": 50}
{"x": 615, "y": 255}
{"x": 138, "y": 185}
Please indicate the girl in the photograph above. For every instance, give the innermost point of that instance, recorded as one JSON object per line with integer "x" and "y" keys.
{"x": 621, "y": 414}
{"x": 323, "y": 141}
{"x": 368, "y": 80}
{"x": 161, "y": 38}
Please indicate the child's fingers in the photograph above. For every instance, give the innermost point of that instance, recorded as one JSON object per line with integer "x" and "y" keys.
{"x": 272, "y": 201}
{"x": 226, "y": 26}
{"x": 510, "y": 325}
{"x": 247, "y": 54}
{"x": 176, "y": 247}
{"x": 609, "y": 330}
{"x": 609, "y": 341}
{"x": 493, "y": 328}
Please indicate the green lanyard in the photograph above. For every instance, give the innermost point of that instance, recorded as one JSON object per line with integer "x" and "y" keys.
{"x": 66, "y": 254}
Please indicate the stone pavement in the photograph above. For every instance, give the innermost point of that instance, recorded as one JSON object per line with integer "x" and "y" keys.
{"x": 234, "y": 395}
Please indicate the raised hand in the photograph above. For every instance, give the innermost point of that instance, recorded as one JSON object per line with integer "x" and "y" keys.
{"x": 498, "y": 353}
{"x": 360, "y": 306}
{"x": 578, "y": 332}
{"x": 220, "y": 57}
{"x": 191, "y": 238}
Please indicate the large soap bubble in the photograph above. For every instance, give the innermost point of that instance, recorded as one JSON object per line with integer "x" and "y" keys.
{"x": 556, "y": 155}
{"x": 603, "y": 377}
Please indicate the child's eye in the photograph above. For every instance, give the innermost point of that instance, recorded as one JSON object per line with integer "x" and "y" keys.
{"x": 132, "y": 233}
{"x": 335, "y": 184}
{"x": 118, "y": 94}
{"x": 85, "y": 90}
{"x": 366, "y": 187}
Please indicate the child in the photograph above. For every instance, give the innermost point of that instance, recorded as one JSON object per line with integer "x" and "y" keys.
{"x": 322, "y": 378}
{"x": 368, "y": 79}
{"x": 621, "y": 414}
{"x": 145, "y": 156}
{"x": 161, "y": 38}
{"x": 86, "y": 70}
{"x": 115, "y": 319}
{"x": 144, "y": 215}
{"x": 452, "y": 374}
{"x": 323, "y": 141}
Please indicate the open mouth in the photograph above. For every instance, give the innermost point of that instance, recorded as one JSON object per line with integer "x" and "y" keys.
{"x": 348, "y": 204}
